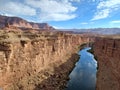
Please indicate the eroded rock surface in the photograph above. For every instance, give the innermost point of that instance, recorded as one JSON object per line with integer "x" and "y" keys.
{"x": 107, "y": 52}
{"x": 37, "y": 61}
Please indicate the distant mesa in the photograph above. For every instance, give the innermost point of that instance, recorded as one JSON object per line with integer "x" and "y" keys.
{"x": 16, "y": 22}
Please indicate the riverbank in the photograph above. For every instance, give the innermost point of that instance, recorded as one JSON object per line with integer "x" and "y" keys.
{"x": 57, "y": 80}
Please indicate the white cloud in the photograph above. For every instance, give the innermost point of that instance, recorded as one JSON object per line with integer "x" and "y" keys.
{"x": 16, "y": 8}
{"x": 102, "y": 14}
{"x": 56, "y": 17}
{"x": 115, "y": 22}
{"x": 84, "y": 23}
{"x": 109, "y": 4}
{"x": 43, "y": 10}
{"x": 75, "y": 0}
{"x": 57, "y": 10}
{"x": 105, "y": 8}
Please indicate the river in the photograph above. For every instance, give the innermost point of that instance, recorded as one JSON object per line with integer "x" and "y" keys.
{"x": 83, "y": 76}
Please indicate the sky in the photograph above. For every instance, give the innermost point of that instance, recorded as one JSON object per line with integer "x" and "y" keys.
{"x": 65, "y": 14}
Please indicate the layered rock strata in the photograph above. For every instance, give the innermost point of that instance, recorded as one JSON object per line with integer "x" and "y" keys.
{"x": 16, "y": 22}
{"x": 107, "y": 52}
{"x": 37, "y": 61}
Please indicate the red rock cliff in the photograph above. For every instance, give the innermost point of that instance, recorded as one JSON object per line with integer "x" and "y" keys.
{"x": 21, "y": 23}
{"x": 28, "y": 59}
{"x": 107, "y": 52}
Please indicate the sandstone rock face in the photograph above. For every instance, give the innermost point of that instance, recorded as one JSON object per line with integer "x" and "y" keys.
{"x": 26, "y": 63}
{"x": 107, "y": 52}
{"x": 21, "y": 23}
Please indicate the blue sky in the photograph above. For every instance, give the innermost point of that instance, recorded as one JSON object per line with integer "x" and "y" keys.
{"x": 66, "y": 14}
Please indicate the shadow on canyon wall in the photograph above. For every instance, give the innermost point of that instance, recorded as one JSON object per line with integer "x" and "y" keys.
{"x": 59, "y": 79}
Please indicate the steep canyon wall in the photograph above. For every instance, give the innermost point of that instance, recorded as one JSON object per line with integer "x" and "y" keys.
{"x": 26, "y": 64}
{"x": 107, "y": 52}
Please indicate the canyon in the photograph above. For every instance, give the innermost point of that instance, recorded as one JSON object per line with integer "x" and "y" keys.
{"x": 107, "y": 53}
{"x": 37, "y": 60}
{"x": 35, "y": 56}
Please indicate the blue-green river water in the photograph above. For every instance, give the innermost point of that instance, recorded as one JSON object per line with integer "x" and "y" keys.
{"x": 83, "y": 76}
